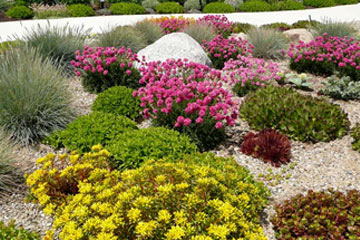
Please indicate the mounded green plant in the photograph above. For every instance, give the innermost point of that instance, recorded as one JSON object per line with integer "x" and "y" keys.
{"x": 131, "y": 149}
{"x": 218, "y": 7}
{"x": 319, "y": 3}
{"x": 241, "y": 27}
{"x": 11, "y": 232}
{"x": 268, "y": 43}
{"x": 80, "y": 10}
{"x": 4, "y": 5}
{"x": 288, "y": 5}
{"x": 89, "y": 130}
{"x": 169, "y": 7}
{"x": 21, "y": 12}
{"x": 345, "y": 2}
{"x": 255, "y": 6}
{"x": 300, "y": 117}
{"x": 4, "y": 46}
{"x": 124, "y": 8}
{"x": 57, "y": 43}
{"x": 334, "y": 28}
{"x": 280, "y": 26}
{"x": 319, "y": 215}
{"x": 10, "y": 176}
{"x": 305, "y": 24}
{"x": 201, "y": 32}
{"x": 69, "y": 2}
{"x": 192, "y": 198}
{"x": 150, "y": 30}
{"x": 34, "y": 96}
{"x": 343, "y": 88}
{"x": 123, "y": 36}
{"x": 118, "y": 100}
{"x": 355, "y": 134}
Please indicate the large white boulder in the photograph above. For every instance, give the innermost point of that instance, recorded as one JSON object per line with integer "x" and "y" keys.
{"x": 175, "y": 45}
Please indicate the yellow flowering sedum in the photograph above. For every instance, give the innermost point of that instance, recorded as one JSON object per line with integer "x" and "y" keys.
{"x": 159, "y": 200}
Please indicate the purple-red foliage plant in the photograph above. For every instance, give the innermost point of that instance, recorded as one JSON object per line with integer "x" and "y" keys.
{"x": 249, "y": 73}
{"x": 188, "y": 97}
{"x": 327, "y": 54}
{"x": 102, "y": 68}
{"x": 221, "y": 50}
{"x": 268, "y": 145}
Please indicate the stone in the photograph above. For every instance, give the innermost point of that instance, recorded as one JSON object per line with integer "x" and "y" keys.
{"x": 175, "y": 45}
{"x": 299, "y": 34}
{"x": 240, "y": 35}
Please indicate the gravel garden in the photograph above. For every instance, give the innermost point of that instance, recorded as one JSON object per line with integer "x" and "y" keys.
{"x": 175, "y": 128}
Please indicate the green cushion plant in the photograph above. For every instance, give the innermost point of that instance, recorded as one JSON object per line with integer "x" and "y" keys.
{"x": 118, "y": 100}
{"x": 343, "y": 88}
{"x": 11, "y": 232}
{"x": 80, "y": 10}
{"x": 130, "y": 149}
{"x": 169, "y": 7}
{"x": 302, "y": 118}
{"x": 21, "y": 12}
{"x": 255, "y": 6}
{"x": 288, "y": 5}
{"x": 319, "y": 3}
{"x": 89, "y": 130}
{"x": 124, "y": 8}
{"x": 218, "y": 7}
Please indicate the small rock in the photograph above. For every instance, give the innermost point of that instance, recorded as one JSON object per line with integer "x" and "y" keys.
{"x": 299, "y": 34}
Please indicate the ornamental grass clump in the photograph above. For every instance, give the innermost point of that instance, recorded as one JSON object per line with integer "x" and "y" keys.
{"x": 201, "y": 32}
{"x": 268, "y": 43}
{"x": 220, "y": 22}
{"x": 221, "y": 50}
{"x": 248, "y": 73}
{"x": 57, "y": 43}
{"x": 118, "y": 100}
{"x": 300, "y": 117}
{"x": 334, "y": 29}
{"x": 34, "y": 96}
{"x": 326, "y": 55}
{"x": 102, "y": 68}
{"x": 355, "y": 134}
{"x": 188, "y": 97}
{"x": 131, "y": 149}
{"x": 160, "y": 200}
{"x": 150, "y": 30}
{"x": 269, "y": 145}
{"x": 89, "y": 130}
{"x": 319, "y": 215}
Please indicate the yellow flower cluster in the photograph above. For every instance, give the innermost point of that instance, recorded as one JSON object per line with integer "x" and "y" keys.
{"x": 159, "y": 200}
{"x": 172, "y": 19}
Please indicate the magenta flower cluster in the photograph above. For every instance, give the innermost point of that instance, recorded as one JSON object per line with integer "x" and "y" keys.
{"x": 343, "y": 52}
{"x": 99, "y": 59}
{"x": 220, "y": 22}
{"x": 191, "y": 91}
{"x": 251, "y": 70}
{"x": 222, "y": 49}
{"x": 172, "y": 24}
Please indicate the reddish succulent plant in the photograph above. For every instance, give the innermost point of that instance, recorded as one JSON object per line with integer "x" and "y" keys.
{"x": 268, "y": 145}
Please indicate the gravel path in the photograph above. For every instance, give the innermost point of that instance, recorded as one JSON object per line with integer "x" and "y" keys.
{"x": 313, "y": 166}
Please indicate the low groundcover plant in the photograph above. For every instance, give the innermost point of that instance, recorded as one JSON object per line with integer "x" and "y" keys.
{"x": 189, "y": 199}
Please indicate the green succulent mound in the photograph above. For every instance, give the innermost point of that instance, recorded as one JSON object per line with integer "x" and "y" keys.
{"x": 300, "y": 117}
{"x": 11, "y": 232}
{"x": 89, "y": 130}
{"x": 355, "y": 134}
{"x": 80, "y": 10}
{"x": 319, "y": 215}
{"x": 169, "y": 7}
{"x": 119, "y": 101}
{"x": 124, "y": 8}
{"x": 130, "y": 149}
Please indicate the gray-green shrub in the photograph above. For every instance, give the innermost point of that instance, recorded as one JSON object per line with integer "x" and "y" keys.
{"x": 193, "y": 5}
{"x": 201, "y": 32}
{"x": 34, "y": 100}
{"x": 267, "y": 43}
{"x": 334, "y": 28}
{"x": 150, "y": 4}
{"x": 57, "y": 43}
{"x": 150, "y": 30}
{"x": 122, "y": 36}
{"x": 343, "y": 88}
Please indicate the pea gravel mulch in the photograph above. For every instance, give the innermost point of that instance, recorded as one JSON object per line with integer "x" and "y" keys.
{"x": 313, "y": 166}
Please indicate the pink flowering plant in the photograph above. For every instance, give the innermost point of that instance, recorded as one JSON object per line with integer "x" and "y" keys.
{"x": 102, "y": 68}
{"x": 188, "y": 97}
{"x": 220, "y": 22}
{"x": 221, "y": 50}
{"x": 249, "y": 73}
{"x": 325, "y": 55}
